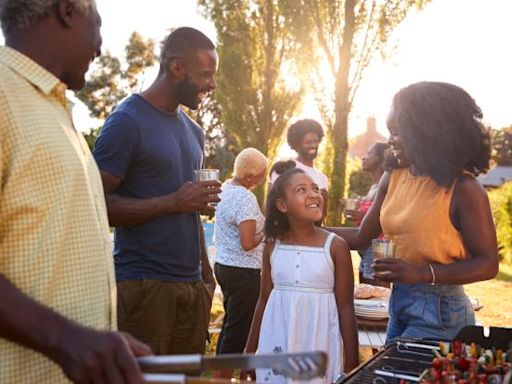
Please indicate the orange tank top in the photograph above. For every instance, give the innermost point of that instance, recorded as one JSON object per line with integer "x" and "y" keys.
{"x": 416, "y": 215}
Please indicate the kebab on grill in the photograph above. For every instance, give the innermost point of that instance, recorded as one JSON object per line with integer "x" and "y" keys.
{"x": 461, "y": 363}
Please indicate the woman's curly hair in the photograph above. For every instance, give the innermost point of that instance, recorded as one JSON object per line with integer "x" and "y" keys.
{"x": 441, "y": 129}
{"x": 276, "y": 222}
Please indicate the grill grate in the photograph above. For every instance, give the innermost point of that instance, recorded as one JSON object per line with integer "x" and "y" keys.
{"x": 396, "y": 357}
{"x": 415, "y": 355}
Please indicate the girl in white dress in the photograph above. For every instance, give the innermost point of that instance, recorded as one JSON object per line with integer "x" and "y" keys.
{"x": 306, "y": 297}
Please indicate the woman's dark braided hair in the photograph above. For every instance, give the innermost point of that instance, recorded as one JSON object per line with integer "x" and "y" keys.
{"x": 441, "y": 131}
{"x": 276, "y": 222}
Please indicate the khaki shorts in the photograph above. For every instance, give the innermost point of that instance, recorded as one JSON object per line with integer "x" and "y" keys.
{"x": 171, "y": 317}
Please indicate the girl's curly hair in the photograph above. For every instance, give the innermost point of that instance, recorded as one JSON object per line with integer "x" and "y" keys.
{"x": 276, "y": 222}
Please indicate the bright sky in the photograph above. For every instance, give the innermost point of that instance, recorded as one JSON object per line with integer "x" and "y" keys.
{"x": 466, "y": 42}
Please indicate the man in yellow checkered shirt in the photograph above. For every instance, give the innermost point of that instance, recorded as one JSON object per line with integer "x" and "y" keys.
{"x": 57, "y": 291}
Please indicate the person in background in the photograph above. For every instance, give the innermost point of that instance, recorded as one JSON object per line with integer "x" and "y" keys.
{"x": 57, "y": 289}
{"x": 434, "y": 209}
{"x": 373, "y": 163}
{"x": 306, "y": 301}
{"x": 238, "y": 241}
{"x": 304, "y": 137}
{"x": 147, "y": 152}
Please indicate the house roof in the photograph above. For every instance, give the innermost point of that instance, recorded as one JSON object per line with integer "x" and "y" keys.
{"x": 358, "y": 146}
{"x": 496, "y": 176}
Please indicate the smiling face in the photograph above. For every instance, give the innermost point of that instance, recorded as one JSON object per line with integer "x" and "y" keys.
{"x": 199, "y": 79}
{"x": 308, "y": 146}
{"x": 395, "y": 141}
{"x": 303, "y": 200}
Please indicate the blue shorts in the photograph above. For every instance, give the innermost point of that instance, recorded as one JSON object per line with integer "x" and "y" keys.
{"x": 428, "y": 311}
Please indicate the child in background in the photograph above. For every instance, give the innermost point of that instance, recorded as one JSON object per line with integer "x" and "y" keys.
{"x": 306, "y": 299}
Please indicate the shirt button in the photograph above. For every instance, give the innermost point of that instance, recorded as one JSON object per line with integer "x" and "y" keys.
{"x": 297, "y": 266}
{"x": 298, "y": 253}
{"x": 296, "y": 281}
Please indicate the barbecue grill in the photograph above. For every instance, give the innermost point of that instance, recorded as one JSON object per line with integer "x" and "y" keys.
{"x": 407, "y": 359}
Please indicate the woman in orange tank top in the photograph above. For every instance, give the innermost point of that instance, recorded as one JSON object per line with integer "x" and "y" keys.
{"x": 434, "y": 209}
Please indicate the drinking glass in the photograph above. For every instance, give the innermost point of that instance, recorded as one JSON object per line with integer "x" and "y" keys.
{"x": 351, "y": 204}
{"x": 383, "y": 248}
{"x": 206, "y": 174}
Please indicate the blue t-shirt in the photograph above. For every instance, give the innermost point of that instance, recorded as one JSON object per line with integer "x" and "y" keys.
{"x": 154, "y": 153}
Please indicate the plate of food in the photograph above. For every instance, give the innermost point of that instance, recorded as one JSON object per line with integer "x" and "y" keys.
{"x": 367, "y": 291}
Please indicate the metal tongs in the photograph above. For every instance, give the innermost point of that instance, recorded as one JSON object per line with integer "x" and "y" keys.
{"x": 297, "y": 366}
{"x": 390, "y": 371}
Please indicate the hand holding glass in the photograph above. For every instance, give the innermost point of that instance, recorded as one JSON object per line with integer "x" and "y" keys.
{"x": 205, "y": 175}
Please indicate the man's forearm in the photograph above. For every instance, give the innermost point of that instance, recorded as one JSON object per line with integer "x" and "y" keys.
{"x": 29, "y": 323}
{"x": 125, "y": 211}
{"x": 206, "y": 269}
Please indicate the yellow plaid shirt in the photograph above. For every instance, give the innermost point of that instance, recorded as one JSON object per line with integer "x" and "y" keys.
{"x": 54, "y": 243}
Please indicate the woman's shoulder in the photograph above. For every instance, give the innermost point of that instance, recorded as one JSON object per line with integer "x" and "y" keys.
{"x": 468, "y": 188}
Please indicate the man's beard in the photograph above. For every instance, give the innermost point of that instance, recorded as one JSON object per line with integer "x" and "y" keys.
{"x": 306, "y": 155}
{"x": 186, "y": 93}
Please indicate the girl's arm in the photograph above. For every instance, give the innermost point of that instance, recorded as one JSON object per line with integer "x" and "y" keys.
{"x": 361, "y": 237}
{"x": 473, "y": 213}
{"x": 266, "y": 287}
{"x": 344, "y": 292}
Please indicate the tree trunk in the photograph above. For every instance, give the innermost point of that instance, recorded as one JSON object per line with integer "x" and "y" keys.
{"x": 341, "y": 111}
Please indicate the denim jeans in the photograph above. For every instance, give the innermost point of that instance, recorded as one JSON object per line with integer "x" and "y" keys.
{"x": 428, "y": 311}
{"x": 365, "y": 266}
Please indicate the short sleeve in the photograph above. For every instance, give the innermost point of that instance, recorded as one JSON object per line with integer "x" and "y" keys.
{"x": 246, "y": 207}
{"x": 114, "y": 148}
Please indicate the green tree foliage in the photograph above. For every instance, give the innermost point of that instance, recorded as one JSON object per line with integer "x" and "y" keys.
{"x": 220, "y": 148}
{"x": 348, "y": 34}
{"x": 257, "y": 53}
{"x": 502, "y": 146}
{"x": 110, "y": 82}
{"x": 359, "y": 183}
{"x": 501, "y": 204}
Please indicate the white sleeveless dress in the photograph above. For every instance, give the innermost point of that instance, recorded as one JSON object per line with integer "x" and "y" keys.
{"x": 301, "y": 314}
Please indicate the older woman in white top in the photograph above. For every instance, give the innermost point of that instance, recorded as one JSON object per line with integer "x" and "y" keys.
{"x": 238, "y": 241}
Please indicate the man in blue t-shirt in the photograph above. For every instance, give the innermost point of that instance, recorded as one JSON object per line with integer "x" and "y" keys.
{"x": 147, "y": 152}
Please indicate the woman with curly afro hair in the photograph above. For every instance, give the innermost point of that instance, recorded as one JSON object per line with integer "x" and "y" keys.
{"x": 434, "y": 209}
